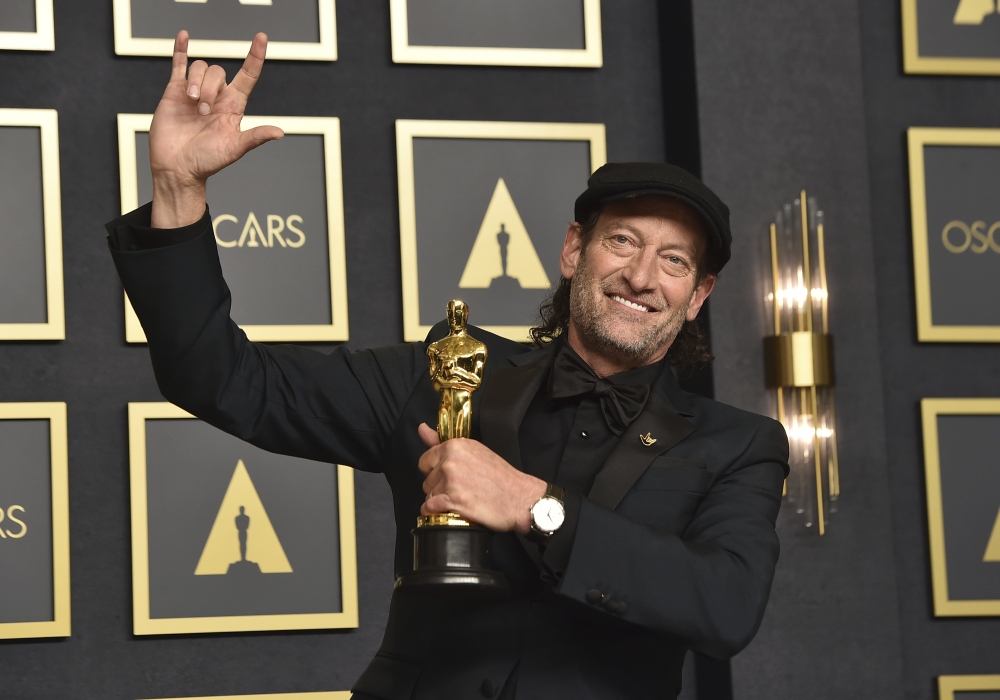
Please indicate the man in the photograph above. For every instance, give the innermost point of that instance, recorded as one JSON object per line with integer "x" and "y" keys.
{"x": 667, "y": 541}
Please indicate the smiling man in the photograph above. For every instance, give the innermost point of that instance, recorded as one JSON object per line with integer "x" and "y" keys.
{"x": 633, "y": 520}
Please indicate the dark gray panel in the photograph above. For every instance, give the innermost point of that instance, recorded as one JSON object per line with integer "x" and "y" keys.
{"x": 977, "y": 695}
{"x": 284, "y": 20}
{"x": 939, "y": 36}
{"x": 781, "y": 104}
{"x": 961, "y": 186}
{"x": 189, "y": 465}
{"x": 22, "y": 261}
{"x": 17, "y": 16}
{"x": 25, "y": 549}
{"x": 271, "y": 285}
{"x": 970, "y": 488}
{"x": 535, "y": 24}
{"x": 455, "y": 179}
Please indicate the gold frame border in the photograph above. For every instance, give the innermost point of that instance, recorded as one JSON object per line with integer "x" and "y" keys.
{"x": 589, "y": 57}
{"x": 930, "y": 409}
{"x": 55, "y": 413}
{"x": 917, "y": 139}
{"x": 54, "y": 328}
{"x": 42, "y": 39}
{"x": 947, "y": 685}
{"x": 325, "y": 50}
{"x": 324, "y": 695}
{"x": 138, "y": 414}
{"x": 406, "y": 131}
{"x": 329, "y": 128}
{"x": 913, "y": 62}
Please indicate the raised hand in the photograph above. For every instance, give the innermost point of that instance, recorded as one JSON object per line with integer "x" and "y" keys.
{"x": 196, "y": 131}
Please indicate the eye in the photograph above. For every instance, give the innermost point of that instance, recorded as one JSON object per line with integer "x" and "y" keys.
{"x": 621, "y": 239}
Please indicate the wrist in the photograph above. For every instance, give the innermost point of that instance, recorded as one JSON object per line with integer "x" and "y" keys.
{"x": 176, "y": 203}
{"x": 534, "y": 489}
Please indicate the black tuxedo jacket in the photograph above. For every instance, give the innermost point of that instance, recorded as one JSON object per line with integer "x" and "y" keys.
{"x": 676, "y": 537}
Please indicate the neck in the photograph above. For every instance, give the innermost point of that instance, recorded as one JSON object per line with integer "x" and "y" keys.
{"x": 601, "y": 361}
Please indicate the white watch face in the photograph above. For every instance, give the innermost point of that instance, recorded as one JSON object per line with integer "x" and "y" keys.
{"x": 548, "y": 514}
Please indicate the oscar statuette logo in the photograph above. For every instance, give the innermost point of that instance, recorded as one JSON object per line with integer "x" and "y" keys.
{"x": 973, "y": 11}
{"x": 450, "y": 554}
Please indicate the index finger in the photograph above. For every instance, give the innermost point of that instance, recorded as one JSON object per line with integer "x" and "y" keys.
{"x": 178, "y": 70}
{"x": 247, "y": 76}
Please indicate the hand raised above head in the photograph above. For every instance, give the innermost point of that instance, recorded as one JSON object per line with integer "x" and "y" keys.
{"x": 196, "y": 131}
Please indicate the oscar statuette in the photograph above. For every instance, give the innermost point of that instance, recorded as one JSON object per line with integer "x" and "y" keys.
{"x": 451, "y": 556}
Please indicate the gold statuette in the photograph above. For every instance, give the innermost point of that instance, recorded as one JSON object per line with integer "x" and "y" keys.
{"x": 456, "y": 366}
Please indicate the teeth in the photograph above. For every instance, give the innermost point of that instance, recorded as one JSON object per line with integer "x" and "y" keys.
{"x": 630, "y": 304}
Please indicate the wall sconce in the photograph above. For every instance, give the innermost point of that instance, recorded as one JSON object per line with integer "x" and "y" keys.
{"x": 798, "y": 359}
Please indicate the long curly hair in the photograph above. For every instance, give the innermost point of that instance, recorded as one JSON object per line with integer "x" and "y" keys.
{"x": 687, "y": 353}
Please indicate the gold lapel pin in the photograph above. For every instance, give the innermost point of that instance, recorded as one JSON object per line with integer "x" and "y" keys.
{"x": 647, "y": 440}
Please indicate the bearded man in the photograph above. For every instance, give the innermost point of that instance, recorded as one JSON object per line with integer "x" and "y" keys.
{"x": 668, "y": 500}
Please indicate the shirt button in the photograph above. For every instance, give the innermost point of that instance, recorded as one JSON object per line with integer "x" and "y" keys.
{"x": 488, "y": 688}
{"x": 594, "y": 596}
{"x": 584, "y": 434}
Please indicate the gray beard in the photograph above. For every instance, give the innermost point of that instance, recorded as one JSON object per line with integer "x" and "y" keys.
{"x": 597, "y": 327}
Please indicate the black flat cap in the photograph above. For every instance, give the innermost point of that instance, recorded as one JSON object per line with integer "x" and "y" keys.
{"x": 615, "y": 181}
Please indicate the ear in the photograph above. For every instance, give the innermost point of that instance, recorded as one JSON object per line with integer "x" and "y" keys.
{"x": 572, "y": 246}
{"x": 699, "y": 296}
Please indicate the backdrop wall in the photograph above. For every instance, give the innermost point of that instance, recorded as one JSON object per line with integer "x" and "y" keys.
{"x": 97, "y": 374}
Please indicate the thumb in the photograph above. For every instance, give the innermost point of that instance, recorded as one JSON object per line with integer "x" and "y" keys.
{"x": 428, "y": 435}
{"x": 251, "y": 138}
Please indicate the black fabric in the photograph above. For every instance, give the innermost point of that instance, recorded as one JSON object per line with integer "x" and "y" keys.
{"x": 621, "y": 401}
{"x": 677, "y": 536}
{"x": 133, "y": 231}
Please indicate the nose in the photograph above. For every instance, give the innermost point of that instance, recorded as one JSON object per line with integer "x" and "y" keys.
{"x": 641, "y": 270}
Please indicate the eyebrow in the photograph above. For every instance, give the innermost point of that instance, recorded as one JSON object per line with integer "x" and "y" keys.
{"x": 622, "y": 226}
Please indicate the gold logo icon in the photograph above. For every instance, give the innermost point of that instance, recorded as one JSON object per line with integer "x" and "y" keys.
{"x": 647, "y": 440}
{"x": 242, "y": 538}
{"x": 503, "y": 251}
{"x": 973, "y": 11}
{"x": 993, "y": 546}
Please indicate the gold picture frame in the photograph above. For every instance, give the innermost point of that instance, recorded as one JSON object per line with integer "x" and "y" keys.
{"x": 143, "y": 624}
{"x": 55, "y": 414}
{"x": 913, "y": 62}
{"x": 589, "y": 57}
{"x": 917, "y": 139}
{"x": 54, "y": 328}
{"x": 949, "y": 685}
{"x": 324, "y": 50}
{"x": 329, "y": 128}
{"x": 409, "y": 129}
{"x": 326, "y": 695}
{"x": 930, "y": 409}
{"x": 42, "y": 39}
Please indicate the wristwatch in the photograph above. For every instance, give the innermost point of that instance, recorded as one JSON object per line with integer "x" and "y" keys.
{"x": 547, "y": 513}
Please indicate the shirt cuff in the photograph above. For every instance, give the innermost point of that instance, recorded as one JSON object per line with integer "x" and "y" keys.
{"x": 133, "y": 231}
{"x": 557, "y": 549}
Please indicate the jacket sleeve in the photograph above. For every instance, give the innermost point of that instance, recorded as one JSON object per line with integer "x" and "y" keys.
{"x": 706, "y": 586}
{"x": 292, "y": 400}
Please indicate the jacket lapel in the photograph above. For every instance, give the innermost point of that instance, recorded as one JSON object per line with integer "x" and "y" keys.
{"x": 658, "y": 428}
{"x": 506, "y": 398}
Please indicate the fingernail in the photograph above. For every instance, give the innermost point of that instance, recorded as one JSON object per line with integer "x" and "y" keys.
{"x": 203, "y": 108}
{"x": 194, "y": 92}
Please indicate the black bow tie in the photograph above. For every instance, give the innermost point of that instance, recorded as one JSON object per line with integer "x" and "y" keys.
{"x": 620, "y": 403}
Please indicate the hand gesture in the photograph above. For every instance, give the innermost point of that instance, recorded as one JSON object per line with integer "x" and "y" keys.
{"x": 196, "y": 131}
